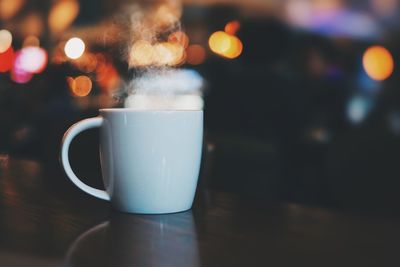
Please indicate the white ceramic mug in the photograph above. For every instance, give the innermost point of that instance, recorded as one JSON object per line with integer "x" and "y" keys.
{"x": 150, "y": 160}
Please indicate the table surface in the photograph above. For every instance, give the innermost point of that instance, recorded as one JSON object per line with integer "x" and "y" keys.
{"x": 45, "y": 221}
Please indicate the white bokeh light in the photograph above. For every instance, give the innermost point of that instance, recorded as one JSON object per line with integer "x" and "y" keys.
{"x": 358, "y": 108}
{"x": 5, "y": 40}
{"x": 74, "y": 48}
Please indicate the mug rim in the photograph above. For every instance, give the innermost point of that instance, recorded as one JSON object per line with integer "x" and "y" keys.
{"x": 147, "y": 110}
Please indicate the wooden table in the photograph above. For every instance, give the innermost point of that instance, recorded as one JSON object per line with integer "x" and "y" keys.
{"x": 46, "y": 221}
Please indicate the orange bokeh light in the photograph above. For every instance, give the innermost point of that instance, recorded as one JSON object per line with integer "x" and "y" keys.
{"x": 232, "y": 27}
{"x": 80, "y": 86}
{"x": 225, "y": 45}
{"x": 195, "y": 54}
{"x": 9, "y": 8}
{"x": 378, "y": 63}
{"x": 30, "y": 41}
{"x": 62, "y": 14}
{"x": 32, "y": 24}
{"x": 180, "y": 38}
{"x": 86, "y": 63}
{"x": 107, "y": 76}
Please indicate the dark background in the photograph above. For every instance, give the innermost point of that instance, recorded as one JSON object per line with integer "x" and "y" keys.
{"x": 293, "y": 118}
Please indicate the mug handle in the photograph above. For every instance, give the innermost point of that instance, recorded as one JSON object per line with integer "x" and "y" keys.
{"x": 70, "y": 134}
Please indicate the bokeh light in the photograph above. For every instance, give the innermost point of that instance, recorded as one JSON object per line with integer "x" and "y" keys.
{"x": 5, "y": 40}
{"x": 58, "y": 54}
{"x": 225, "y": 45}
{"x": 320, "y": 134}
{"x": 31, "y": 59}
{"x": 219, "y": 42}
{"x": 9, "y": 8}
{"x": 18, "y": 74}
{"x": 232, "y": 27}
{"x": 168, "y": 54}
{"x": 167, "y": 14}
{"x": 32, "y": 24}
{"x": 62, "y": 14}
{"x": 31, "y": 40}
{"x": 107, "y": 76}
{"x": 180, "y": 38}
{"x": 385, "y": 8}
{"x": 74, "y": 48}
{"x": 235, "y": 48}
{"x": 86, "y": 63}
{"x": 195, "y": 54}
{"x": 299, "y": 13}
{"x": 6, "y": 60}
{"x": 80, "y": 86}
{"x": 378, "y": 63}
{"x": 143, "y": 54}
{"x": 358, "y": 108}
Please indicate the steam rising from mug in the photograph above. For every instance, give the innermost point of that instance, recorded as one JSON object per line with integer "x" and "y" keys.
{"x": 150, "y": 26}
{"x": 154, "y": 54}
{"x": 168, "y": 89}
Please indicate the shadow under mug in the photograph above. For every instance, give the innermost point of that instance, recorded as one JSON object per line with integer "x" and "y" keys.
{"x": 150, "y": 159}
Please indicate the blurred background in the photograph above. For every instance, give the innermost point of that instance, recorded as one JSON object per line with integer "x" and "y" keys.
{"x": 301, "y": 97}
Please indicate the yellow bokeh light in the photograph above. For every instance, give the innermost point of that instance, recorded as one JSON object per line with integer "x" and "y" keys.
{"x": 225, "y": 45}
{"x": 235, "y": 49}
{"x": 5, "y": 40}
{"x": 170, "y": 54}
{"x": 74, "y": 48}
{"x": 141, "y": 54}
{"x": 62, "y": 14}
{"x": 144, "y": 54}
{"x": 80, "y": 86}
{"x": 378, "y": 63}
{"x": 219, "y": 42}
